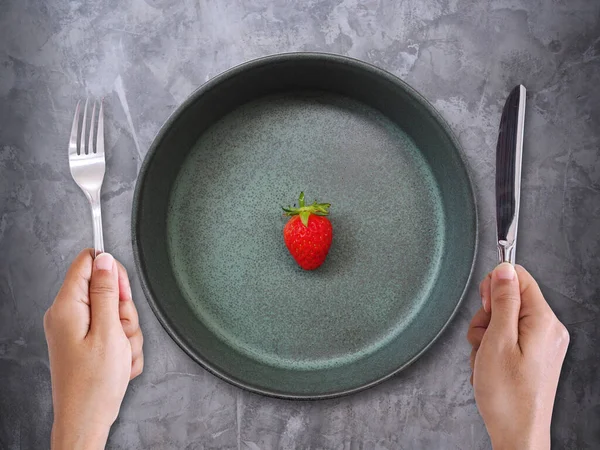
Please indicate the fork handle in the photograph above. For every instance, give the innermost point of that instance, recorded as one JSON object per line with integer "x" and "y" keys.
{"x": 97, "y": 223}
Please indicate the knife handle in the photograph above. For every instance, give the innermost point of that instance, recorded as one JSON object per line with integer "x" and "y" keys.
{"x": 506, "y": 252}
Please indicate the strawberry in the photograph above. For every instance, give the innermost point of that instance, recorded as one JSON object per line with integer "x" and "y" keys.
{"x": 308, "y": 233}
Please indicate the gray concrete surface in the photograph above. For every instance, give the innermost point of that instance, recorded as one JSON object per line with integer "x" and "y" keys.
{"x": 145, "y": 56}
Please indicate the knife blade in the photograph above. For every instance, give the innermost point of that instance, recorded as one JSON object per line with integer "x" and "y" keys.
{"x": 509, "y": 155}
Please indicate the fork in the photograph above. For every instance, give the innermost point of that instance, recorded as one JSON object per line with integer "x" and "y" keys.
{"x": 87, "y": 165}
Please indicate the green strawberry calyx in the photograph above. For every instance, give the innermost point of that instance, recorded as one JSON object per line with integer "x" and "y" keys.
{"x": 318, "y": 209}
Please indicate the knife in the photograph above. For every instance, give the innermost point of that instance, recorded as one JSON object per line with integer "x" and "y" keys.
{"x": 509, "y": 155}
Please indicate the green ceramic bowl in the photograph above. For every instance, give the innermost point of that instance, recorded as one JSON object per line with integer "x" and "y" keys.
{"x": 207, "y": 225}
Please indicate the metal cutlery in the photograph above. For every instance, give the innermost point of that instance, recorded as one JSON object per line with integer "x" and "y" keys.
{"x": 87, "y": 163}
{"x": 509, "y": 155}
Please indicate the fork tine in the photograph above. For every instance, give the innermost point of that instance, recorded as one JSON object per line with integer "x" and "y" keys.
{"x": 91, "y": 133}
{"x": 83, "y": 129}
{"x": 100, "y": 137}
{"x": 74, "y": 128}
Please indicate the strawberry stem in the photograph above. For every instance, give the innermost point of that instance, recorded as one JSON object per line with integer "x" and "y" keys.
{"x": 318, "y": 209}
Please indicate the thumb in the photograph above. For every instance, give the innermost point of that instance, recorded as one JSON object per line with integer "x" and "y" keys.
{"x": 505, "y": 304}
{"x": 104, "y": 294}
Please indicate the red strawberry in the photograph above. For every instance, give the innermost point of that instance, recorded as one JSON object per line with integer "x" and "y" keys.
{"x": 308, "y": 233}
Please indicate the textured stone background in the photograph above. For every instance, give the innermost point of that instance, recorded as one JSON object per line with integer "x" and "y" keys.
{"x": 145, "y": 56}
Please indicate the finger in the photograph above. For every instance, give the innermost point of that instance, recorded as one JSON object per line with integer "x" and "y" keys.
{"x": 533, "y": 302}
{"x": 472, "y": 359}
{"x": 478, "y": 327}
{"x": 104, "y": 294}
{"x": 70, "y": 312}
{"x": 129, "y": 317}
{"x": 124, "y": 286}
{"x": 505, "y": 304}
{"x": 137, "y": 366}
{"x": 137, "y": 343}
{"x": 137, "y": 354}
{"x": 127, "y": 310}
{"x": 485, "y": 291}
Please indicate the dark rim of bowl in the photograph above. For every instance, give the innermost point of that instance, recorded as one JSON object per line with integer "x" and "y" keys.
{"x": 137, "y": 252}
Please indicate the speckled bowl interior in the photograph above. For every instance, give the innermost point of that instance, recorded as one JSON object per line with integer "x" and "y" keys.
{"x": 207, "y": 225}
